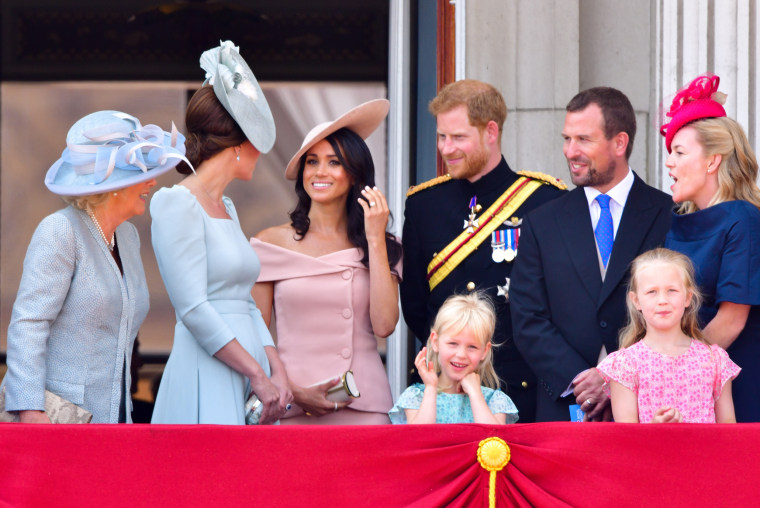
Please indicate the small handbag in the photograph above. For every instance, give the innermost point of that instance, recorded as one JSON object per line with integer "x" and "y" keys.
{"x": 58, "y": 409}
{"x": 343, "y": 391}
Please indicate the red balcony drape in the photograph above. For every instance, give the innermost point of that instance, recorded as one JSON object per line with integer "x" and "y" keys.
{"x": 552, "y": 464}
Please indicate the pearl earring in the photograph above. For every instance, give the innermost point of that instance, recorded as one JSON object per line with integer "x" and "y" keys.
{"x": 238, "y": 157}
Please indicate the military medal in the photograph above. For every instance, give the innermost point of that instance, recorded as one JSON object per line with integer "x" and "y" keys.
{"x": 514, "y": 222}
{"x": 503, "y": 290}
{"x": 497, "y": 244}
{"x": 513, "y": 237}
{"x": 509, "y": 254}
{"x": 471, "y": 223}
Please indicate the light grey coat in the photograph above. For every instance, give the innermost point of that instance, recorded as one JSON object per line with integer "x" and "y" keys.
{"x": 75, "y": 318}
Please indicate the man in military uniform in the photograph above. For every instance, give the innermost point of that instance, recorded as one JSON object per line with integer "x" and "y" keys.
{"x": 461, "y": 231}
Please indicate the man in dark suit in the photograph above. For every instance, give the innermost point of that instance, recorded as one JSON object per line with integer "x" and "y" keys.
{"x": 445, "y": 218}
{"x": 569, "y": 282}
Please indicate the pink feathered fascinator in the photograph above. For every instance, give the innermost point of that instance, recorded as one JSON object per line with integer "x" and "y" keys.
{"x": 693, "y": 102}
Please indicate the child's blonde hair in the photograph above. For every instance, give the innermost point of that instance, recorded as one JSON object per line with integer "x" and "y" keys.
{"x": 474, "y": 311}
{"x": 637, "y": 327}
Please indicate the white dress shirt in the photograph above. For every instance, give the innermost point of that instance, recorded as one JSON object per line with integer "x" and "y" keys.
{"x": 618, "y": 196}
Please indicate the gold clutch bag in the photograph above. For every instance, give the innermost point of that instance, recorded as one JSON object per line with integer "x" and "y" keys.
{"x": 58, "y": 409}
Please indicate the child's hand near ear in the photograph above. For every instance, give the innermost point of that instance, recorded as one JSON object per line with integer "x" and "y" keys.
{"x": 426, "y": 369}
{"x": 667, "y": 415}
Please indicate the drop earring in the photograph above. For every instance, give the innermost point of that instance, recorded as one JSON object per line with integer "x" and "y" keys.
{"x": 238, "y": 157}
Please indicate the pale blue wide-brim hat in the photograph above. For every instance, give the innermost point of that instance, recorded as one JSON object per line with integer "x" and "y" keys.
{"x": 111, "y": 150}
{"x": 237, "y": 89}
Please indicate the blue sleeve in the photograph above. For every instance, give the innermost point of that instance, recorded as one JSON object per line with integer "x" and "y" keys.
{"x": 261, "y": 327}
{"x": 179, "y": 241}
{"x": 49, "y": 266}
{"x": 258, "y": 320}
{"x": 499, "y": 402}
{"x": 739, "y": 275}
{"x": 410, "y": 399}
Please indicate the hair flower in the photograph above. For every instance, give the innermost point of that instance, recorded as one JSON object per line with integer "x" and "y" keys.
{"x": 700, "y": 99}
{"x": 237, "y": 89}
{"x": 210, "y": 59}
{"x": 220, "y": 62}
{"x": 703, "y": 87}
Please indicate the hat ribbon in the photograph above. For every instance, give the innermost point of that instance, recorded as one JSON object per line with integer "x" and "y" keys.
{"x": 703, "y": 87}
{"x": 220, "y": 62}
{"x": 141, "y": 149}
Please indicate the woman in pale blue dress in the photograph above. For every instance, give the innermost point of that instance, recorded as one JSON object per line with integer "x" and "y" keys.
{"x": 222, "y": 349}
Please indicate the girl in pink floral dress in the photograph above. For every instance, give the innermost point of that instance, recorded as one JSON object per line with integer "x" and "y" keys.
{"x": 664, "y": 371}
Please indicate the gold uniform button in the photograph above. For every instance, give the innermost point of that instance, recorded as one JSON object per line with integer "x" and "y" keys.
{"x": 470, "y": 286}
{"x": 524, "y": 384}
{"x": 478, "y": 208}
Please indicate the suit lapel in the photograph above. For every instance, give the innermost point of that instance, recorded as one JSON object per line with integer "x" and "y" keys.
{"x": 635, "y": 224}
{"x": 574, "y": 224}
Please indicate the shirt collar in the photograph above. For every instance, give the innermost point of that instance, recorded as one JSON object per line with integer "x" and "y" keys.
{"x": 493, "y": 180}
{"x": 618, "y": 194}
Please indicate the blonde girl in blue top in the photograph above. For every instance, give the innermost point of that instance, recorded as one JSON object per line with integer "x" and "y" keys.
{"x": 456, "y": 367}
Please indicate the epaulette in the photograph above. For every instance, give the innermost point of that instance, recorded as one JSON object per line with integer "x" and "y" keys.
{"x": 426, "y": 185}
{"x": 557, "y": 182}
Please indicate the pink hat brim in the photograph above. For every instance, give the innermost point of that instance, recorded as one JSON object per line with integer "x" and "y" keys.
{"x": 364, "y": 119}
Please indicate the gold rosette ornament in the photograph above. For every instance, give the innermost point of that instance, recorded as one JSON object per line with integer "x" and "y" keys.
{"x": 493, "y": 455}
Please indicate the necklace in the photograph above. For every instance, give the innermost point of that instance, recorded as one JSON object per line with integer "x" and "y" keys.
{"x": 110, "y": 243}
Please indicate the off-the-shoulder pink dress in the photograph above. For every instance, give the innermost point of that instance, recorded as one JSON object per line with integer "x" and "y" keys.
{"x": 321, "y": 308}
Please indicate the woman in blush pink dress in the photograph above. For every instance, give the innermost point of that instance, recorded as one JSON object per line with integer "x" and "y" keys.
{"x": 327, "y": 274}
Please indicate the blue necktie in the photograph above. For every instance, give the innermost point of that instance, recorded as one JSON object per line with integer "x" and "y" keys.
{"x": 603, "y": 231}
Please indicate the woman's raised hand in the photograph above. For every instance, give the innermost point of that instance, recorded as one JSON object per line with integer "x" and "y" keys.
{"x": 376, "y": 213}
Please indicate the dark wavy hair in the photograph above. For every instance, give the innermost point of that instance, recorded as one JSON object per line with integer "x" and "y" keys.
{"x": 355, "y": 157}
{"x": 210, "y": 129}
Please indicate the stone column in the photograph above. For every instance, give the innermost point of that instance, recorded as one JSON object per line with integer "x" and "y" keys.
{"x": 529, "y": 51}
{"x": 697, "y": 36}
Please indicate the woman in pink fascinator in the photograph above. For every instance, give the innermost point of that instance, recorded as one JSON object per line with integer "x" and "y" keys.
{"x": 717, "y": 224}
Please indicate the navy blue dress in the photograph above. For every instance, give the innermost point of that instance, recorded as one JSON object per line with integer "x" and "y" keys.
{"x": 723, "y": 242}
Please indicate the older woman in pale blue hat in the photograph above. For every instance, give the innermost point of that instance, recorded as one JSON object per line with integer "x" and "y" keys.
{"x": 83, "y": 294}
{"x": 222, "y": 349}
